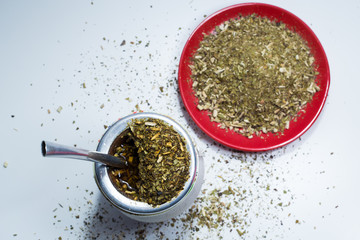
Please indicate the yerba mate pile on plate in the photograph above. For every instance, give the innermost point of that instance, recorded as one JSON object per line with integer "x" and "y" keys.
{"x": 253, "y": 75}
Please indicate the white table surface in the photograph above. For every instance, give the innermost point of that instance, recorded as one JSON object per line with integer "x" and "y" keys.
{"x": 49, "y": 49}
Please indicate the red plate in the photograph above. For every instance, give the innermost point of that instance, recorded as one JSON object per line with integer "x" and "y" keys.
{"x": 230, "y": 138}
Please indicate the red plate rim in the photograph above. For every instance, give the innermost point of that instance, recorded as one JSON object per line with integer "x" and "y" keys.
{"x": 265, "y": 141}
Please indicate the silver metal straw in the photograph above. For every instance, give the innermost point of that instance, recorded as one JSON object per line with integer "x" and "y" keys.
{"x": 50, "y": 149}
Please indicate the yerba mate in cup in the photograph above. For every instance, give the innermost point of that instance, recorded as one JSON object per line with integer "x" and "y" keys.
{"x": 124, "y": 196}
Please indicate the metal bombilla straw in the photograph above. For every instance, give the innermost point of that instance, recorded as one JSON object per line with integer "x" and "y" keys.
{"x": 50, "y": 149}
